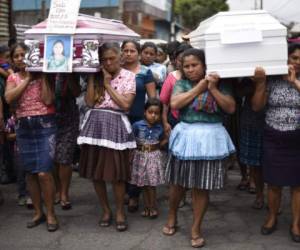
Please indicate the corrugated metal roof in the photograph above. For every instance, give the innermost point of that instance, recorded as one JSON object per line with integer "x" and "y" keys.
{"x": 4, "y": 20}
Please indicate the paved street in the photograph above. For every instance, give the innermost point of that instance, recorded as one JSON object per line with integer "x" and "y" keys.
{"x": 230, "y": 224}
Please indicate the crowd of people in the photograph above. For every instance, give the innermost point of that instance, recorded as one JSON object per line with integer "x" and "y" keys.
{"x": 152, "y": 116}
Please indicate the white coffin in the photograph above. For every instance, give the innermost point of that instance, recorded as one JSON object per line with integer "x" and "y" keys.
{"x": 238, "y": 41}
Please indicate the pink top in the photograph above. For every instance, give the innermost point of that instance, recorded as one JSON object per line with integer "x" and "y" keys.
{"x": 30, "y": 102}
{"x": 166, "y": 92}
{"x": 124, "y": 83}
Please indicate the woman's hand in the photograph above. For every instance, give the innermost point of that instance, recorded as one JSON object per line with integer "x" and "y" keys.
{"x": 204, "y": 84}
{"x": 107, "y": 77}
{"x": 292, "y": 77}
{"x": 259, "y": 98}
{"x": 213, "y": 80}
{"x": 167, "y": 129}
{"x": 259, "y": 76}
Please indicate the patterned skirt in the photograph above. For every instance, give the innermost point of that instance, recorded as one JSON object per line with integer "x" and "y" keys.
{"x": 36, "y": 142}
{"x": 148, "y": 168}
{"x": 66, "y": 136}
{"x": 107, "y": 140}
{"x": 251, "y": 146}
{"x": 208, "y": 175}
{"x": 197, "y": 157}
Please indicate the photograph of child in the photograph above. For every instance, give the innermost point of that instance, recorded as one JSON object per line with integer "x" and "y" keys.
{"x": 58, "y": 53}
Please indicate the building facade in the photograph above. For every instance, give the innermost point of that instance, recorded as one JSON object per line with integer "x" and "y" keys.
{"x": 149, "y": 18}
{"x": 6, "y": 28}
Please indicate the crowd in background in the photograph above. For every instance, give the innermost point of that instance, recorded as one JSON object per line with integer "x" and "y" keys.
{"x": 152, "y": 116}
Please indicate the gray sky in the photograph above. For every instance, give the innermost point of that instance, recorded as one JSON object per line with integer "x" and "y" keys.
{"x": 285, "y": 10}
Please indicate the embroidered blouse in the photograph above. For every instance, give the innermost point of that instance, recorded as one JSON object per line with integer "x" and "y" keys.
{"x": 123, "y": 83}
{"x": 188, "y": 113}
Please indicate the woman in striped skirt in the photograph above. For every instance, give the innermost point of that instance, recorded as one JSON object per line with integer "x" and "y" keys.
{"x": 199, "y": 144}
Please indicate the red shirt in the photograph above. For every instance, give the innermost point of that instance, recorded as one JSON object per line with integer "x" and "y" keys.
{"x": 30, "y": 102}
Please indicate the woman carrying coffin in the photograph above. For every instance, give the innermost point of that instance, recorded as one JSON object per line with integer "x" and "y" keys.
{"x": 106, "y": 136}
{"x": 280, "y": 95}
{"x": 199, "y": 144}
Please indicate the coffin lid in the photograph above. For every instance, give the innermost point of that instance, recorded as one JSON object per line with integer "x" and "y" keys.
{"x": 90, "y": 26}
{"x": 260, "y": 19}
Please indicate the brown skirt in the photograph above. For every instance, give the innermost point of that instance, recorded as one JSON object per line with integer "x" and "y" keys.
{"x": 104, "y": 164}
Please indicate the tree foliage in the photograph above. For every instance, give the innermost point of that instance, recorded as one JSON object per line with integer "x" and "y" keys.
{"x": 195, "y": 11}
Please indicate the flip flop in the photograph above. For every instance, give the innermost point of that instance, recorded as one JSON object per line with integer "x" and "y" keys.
{"x": 105, "y": 223}
{"x": 242, "y": 186}
{"x": 121, "y": 226}
{"x": 258, "y": 204}
{"x": 146, "y": 212}
{"x": 153, "y": 213}
{"x": 65, "y": 205}
{"x": 169, "y": 230}
{"x": 252, "y": 190}
{"x": 197, "y": 242}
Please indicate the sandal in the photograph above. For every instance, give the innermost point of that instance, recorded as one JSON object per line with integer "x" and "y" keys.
{"x": 258, "y": 204}
{"x": 121, "y": 226}
{"x": 35, "y": 223}
{"x": 169, "y": 230}
{"x": 252, "y": 190}
{"x": 146, "y": 212}
{"x": 153, "y": 213}
{"x": 65, "y": 205}
{"x": 134, "y": 207}
{"x": 52, "y": 227}
{"x": 243, "y": 186}
{"x": 105, "y": 223}
{"x": 197, "y": 242}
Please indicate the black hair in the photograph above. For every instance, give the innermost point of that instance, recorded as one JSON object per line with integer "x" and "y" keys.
{"x": 134, "y": 42}
{"x": 3, "y": 49}
{"x": 61, "y": 42}
{"x": 153, "y": 101}
{"x": 149, "y": 45}
{"x": 198, "y": 53}
{"x": 11, "y": 42}
{"x": 171, "y": 47}
{"x": 181, "y": 48}
{"x": 14, "y": 47}
{"x": 109, "y": 46}
{"x": 292, "y": 47}
{"x": 163, "y": 47}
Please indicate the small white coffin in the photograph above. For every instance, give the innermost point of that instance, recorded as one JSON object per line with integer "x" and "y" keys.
{"x": 238, "y": 41}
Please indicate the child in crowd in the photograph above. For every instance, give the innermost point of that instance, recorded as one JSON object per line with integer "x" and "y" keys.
{"x": 10, "y": 132}
{"x": 5, "y": 69}
{"x": 147, "y": 166}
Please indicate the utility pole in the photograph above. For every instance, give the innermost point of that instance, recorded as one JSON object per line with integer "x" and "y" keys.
{"x": 121, "y": 10}
{"x": 172, "y": 22}
{"x": 43, "y": 10}
{"x": 261, "y": 5}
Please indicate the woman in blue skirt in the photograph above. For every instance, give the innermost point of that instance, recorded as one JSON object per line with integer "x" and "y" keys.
{"x": 199, "y": 144}
{"x": 35, "y": 129}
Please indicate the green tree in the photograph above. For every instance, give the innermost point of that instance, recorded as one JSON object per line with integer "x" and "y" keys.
{"x": 195, "y": 11}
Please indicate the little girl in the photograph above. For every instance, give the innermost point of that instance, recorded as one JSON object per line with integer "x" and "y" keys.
{"x": 147, "y": 166}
